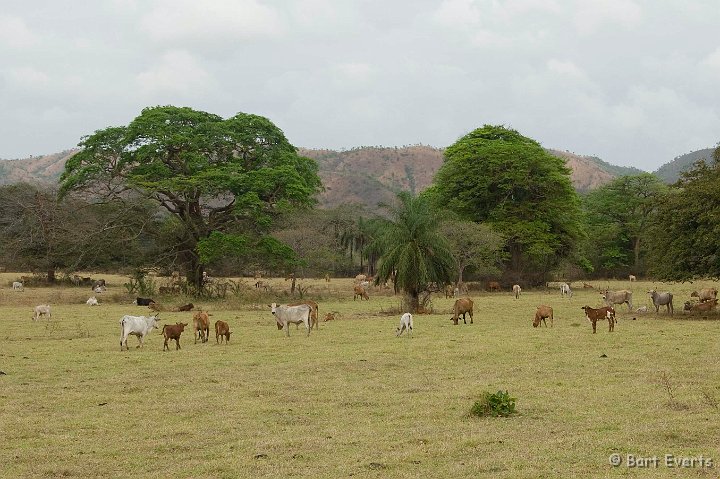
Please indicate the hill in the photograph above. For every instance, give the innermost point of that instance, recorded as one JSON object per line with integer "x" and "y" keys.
{"x": 366, "y": 175}
{"x": 670, "y": 172}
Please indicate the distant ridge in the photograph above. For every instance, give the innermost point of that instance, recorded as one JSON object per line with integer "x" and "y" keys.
{"x": 670, "y": 172}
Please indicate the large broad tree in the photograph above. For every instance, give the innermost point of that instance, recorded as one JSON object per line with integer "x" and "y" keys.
{"x": 618, "y": 215}
{"x": 495, "y": 175}
{"x": 684, "y": 235}
{"x": 412, "y": 248}
{"x": 224, "y": 180}
{"x": 475, "y": 246}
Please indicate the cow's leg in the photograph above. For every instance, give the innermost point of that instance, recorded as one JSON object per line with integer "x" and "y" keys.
{"x": 177, "y": 343}
{"x": 308, "y": 326}
{"x": 286, "y": 327}
{"x": 593, "y": 321}
{"x": 471, "y": 317}
{"x": 165, "y": 345}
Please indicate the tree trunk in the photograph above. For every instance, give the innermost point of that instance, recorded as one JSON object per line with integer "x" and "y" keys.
{"x": 414, "y": 302}
{"x": 51, "y": 275}
{"x": 636, "y": 248}
{"x": 292, "y": 286}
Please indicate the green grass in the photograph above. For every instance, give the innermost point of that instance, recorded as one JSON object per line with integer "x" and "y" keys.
{"x": 352, "y": 399}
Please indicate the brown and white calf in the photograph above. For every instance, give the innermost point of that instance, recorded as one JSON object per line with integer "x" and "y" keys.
{"x": 594, "y": 315}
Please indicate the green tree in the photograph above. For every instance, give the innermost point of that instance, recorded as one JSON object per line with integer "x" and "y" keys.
{"x": 413, "y": 249}
{"x": 474, "y": 246}
{"x": 617, "y": 216}
{"x": 496, "y": 176}
{"x": 684, "y": 234}
{"x": 224, "y": 180}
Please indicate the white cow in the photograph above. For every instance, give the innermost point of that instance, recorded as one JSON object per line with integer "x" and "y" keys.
{"x": 92, "y": 301}
{"x": 565, "y": 290}
{"x": 138, "y": 326}
{"x": 406, "y": 324}
{"x": 41, "y": 310}
{"x": 284, "y": 315}
{"x": 18, "y": 286}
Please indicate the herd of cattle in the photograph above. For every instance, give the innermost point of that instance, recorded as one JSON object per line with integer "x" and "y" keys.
{"x": 306, "y": 312}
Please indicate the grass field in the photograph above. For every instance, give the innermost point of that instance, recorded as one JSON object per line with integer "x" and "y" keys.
{"x": 352, "y": 399}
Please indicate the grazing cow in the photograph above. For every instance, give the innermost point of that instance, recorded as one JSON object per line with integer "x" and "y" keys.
{"x": 18, "y": 286}
{"x": 98, "y": 283}
{"x": 587, "y": 285}
{"x": 705, "y": 307}
{"x": 284, "y": 315}
{"x": 493, "y": 286}
{"x": 618, "y": 297}
{"x": 313, "y": 311}
{"x": 462, "y": 306}
{"x": 662, "y": 299}
{"x": 144, "y": 301}
{"x": 565, "y": 290}
{"x": 138, "y": 326}
{"x": 516, "y": 290}
{"x": 543, "y": 311}
{"x": 360, "y": 291}
{"x": 594, "y": 315}
{"x": 173, "y": 332}
{"x": 92, "y": 301}
{"x": 632, "y": 278}
{"x": 705, "y": 294}
{"x": 222, "y": 330}
{"x": 406, "y": 324}
{"x": 186, "y": 307}
{"x": 331, "y": 316}
{"x": 41, "y": 310}
{"x": 201, "y": 326}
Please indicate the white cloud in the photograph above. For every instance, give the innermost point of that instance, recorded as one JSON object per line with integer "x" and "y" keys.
{"x": 593, "y": 14}
{"x": 217, "y": 20}
{"x": 27, "y": 78}
{"x": 15, "y": 33}
{"x": 711, "y": 63}
{"x": 457, "y": 13}
{"x": 177, "y": 73}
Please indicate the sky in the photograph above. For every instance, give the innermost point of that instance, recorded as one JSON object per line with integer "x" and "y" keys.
{"x": 633, "y": 82}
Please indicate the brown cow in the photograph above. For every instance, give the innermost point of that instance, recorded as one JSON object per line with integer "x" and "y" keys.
{"x": 705, "y": 294}
{"x": 222, "y": 330}
{"x": 313, "y": 312}
{"x": 201, "y": 326}
{"x": 360, "y": 291}
{"x": 186, "y": 307}
{"x": 543, "y": 312}
{"x": 705, "y": 307}
{"x": 462, "y": 306}
{"x": 173, "y": 332}
{"x": 493, "y": 286}
{"x": 594, "y": 315}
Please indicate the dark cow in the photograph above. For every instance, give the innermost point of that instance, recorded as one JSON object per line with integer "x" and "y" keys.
{"x": 186, "y": 307}
{"x": 144, "y": 301}
{"x": 100, "y": 283}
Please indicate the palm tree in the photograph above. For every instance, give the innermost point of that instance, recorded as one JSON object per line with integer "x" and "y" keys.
{"x": 411, "y": 246}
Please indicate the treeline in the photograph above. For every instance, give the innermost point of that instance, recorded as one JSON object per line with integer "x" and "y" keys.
{"x": 179, "y": 189}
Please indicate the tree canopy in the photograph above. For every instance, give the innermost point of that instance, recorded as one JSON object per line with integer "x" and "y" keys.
{"x": 223, "y": 179}
{"x": 497, "y": 176}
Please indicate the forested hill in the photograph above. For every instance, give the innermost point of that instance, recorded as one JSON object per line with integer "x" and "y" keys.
{"x": 367, "y": 175}
{"x": 670, "y": 172}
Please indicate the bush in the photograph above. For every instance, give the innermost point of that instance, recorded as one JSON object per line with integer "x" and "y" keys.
{"x": 498, "y": 404}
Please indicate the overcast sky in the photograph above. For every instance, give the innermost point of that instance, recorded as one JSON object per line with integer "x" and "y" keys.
{"x": 635, "y": 82}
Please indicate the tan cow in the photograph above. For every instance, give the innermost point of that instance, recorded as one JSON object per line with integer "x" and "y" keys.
{"x": 222, "y": 330}
{"x": 462, "y": 306}
{"x": 360, "y": 291}
{"x": 516, "y": 290}
{"x": 543, "y": 312}
{"x": 201, "y": 326}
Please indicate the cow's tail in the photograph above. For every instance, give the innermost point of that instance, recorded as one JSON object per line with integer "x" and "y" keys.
{"x": 163, "y": 329}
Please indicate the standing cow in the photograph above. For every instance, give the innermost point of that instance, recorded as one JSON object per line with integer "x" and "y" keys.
{"x": 516, "y": 290}
{"x": 284, "y": 315}
{"x": 618, "y": 297}
{"x": 662, "y": 299}
{"x": 138, "y": 326}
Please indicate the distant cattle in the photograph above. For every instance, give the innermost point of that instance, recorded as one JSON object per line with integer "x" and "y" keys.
{"x": 92, "y": 301}
{"x": 632, "y": 278}
{"x": 516, "y": 290}
{"x": 261, "y": 285}
{"x": 201, "y": 326}
{"x": 98, "y": 283}
{"x": 565, "y": 290}
{"x": 493, "y": 286}
{"x": 705, "y": 307}
{"x": 313, "y": 311}
{"x": 138, "y": 326}
{"x": 186, "y": 307}
{"x": 541, "y": 314}
{"x": 662, "y": 299}
{"x": 222, "y": 331}
{"x": 360, "y": 291}
{"x": 173, "y": 332}
{"x": 406, "y": 324}
{"x": 284, "y": 315}
{"x": 587, "y": 285}
{"x": 41, "y": 310}
{"x": 360, "y": 277}
{"x": 705, "y": 294}
{"x": 618, "y": 297}
{"x": 594, "y": 315}
{"x": 144, "y": 301}
{"x": 18, "y": 286}
{"x": 462, "y": 306}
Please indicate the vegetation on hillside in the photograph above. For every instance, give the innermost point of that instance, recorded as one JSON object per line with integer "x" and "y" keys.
{"x": 671, "y": 172}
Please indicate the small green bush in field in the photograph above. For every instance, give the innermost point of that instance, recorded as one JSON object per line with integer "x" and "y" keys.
{"x": 498, "y": 404}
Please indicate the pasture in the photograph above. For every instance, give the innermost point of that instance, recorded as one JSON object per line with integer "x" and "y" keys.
{"x": 352, "y": 399}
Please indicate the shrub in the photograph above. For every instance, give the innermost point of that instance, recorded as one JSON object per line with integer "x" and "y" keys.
{"x": 498, "y": 404}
